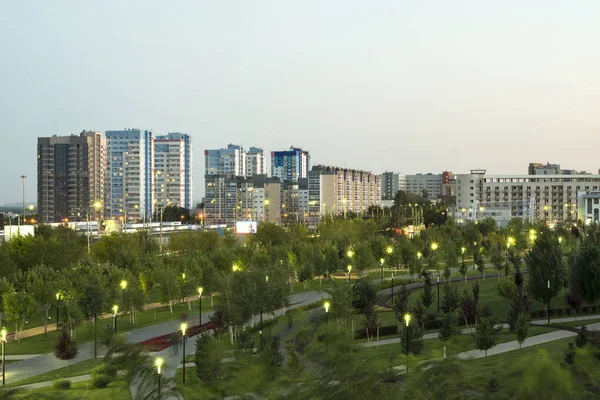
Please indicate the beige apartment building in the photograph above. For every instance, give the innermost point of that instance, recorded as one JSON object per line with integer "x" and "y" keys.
{"x": 338, "y": 191}
{"x": 547, "y": 198}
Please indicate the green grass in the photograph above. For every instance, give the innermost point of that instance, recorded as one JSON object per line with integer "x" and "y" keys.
{"x": 40, "y": 344}
{"x": 77, "y": 369}
{"x": 116, "y": 390}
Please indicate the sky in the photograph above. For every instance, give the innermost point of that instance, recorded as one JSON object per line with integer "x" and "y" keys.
{"x": 406, "y": 86}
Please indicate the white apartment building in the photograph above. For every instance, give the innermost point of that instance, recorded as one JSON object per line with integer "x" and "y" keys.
{"x": 337, "y": 191}
{"x": 255, "y": 162}
{"x": 129, "y": 173}
{"x": 173, "y": 171}
{"x": 229, "y": 161}
{"x": 418, "y": 183}
{"x": 549, "y": 198}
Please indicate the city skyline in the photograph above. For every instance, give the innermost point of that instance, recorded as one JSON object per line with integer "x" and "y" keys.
{"x": 390, "y": 86}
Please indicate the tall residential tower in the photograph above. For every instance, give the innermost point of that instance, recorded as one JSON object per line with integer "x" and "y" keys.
{"x": 173, "y": 170}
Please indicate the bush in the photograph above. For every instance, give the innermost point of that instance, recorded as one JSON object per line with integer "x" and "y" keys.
{"x": 387, "y": 330}
{"x": 107, "y": 370}
{"x": 62, "y": 384}
{"x": 101, "y": 381}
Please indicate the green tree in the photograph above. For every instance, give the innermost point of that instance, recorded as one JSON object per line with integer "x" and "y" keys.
{"x": 545, "y": 267}
{"x": 66, "y": 348}
{"x": 19, "y": 307}
{"x": 450, "y": 300}
{"x": 585, "y": 268}
{"x": 208, "y": 359}
{"x": 427, "y": 295}
{"x": 415, "y": 339}
{"x": 522, "y": 328}
{"x": 507, "y": 288}
{"x": 449, "y": 327}
{"x": 463, "y": 270}
{"x": 400, "y": 304}
{"x": 339, "y": 297}
{"x": 485, "y": 335}
{"x": 519, "y": 305}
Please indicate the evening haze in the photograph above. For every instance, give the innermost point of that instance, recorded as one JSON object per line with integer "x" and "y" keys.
{"x": 408, "y": 86}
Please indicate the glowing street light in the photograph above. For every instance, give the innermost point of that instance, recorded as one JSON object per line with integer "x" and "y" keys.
{"x": 326, "y": 305}
{"x": 419, "y": 255}
{"x": 235, "y": 268}
{"x": 115, "y": 310}
{"x": 510, "y": 241}
{"x": 200, "y": 290}
{"x": 123, "y": 284}
{"x": 434, "y": 246}
{"x": 158, "y": 362}
{"x": 349, "y": 268}
{"x": 350, "y": 253}
{"x": 407, "y": 321}
{"x": 462, "y": 250}
{"x": 389, "y": 250}
{"x": 183, "y": 328}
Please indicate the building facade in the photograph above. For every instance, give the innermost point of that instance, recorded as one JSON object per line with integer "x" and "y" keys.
{"x": 71, "y": 173}
{"x": 294, "y": 206}
{"x": 228, "y": 161}
{"x": 290, "y": 165}
{"x": 255, "y": 162}
{"x": 390, "y": 185}
{"x": 172, "y": 172}
{"x": 338, "y": 191}
{"x": 546, "y": 198}
{"x": 130, "y": 160}
{"x": 420, "y": 184}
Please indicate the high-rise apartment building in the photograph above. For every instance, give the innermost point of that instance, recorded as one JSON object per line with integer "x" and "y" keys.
{"x": 338, "y": 191}
{"x": 421, "y": 184}
{"x": 130, "y": 159}
{"x": 294, "y": 202}
{"x": 229, "y": 161}
{"x": 172, "y": 179}
{"x": 255, "y": 162}
{"x": 71, "y": 177}
{"x": 290, "y": 165}
{"x": 390, "y": 185}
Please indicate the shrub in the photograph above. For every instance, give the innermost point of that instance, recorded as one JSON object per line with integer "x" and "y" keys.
{"x": 62, "y": 384}
{"x": 101, "y": 381}
{"x": 107, "y": 370}
{"x": 493, "y": 385}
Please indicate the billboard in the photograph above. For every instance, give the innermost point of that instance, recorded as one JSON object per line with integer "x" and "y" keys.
{"x": 11, "y": 231}
{"x": 245, "y": 227}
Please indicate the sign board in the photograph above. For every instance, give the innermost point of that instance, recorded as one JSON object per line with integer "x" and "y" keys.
{"x": 245, "y": 227}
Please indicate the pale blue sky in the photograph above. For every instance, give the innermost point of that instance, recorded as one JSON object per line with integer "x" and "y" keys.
{"x": 410, "y": 86}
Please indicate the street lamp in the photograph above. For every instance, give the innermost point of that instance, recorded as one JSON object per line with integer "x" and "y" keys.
{"x": 407, "y": 320}
{"x": 327, "y": 305}
{"x": 158, "y": 363}
{"x": 200, "y": 289}
{"x": 349, "y": 271}
{"x": 438, "y": 290}
{"x": 3, "y": 337}
{"x": 350, "y": 253}
{"x": 115, "y": 310}
{"x": 123, "y": 284}
{"x": 510, "y": 241}
{"x": 183, "y": 328}
{"x": 392, "y": 289}
{"x": 381, "y": 261}
{"x": 57, "y": 307}
{"x": 235, "y": 268}
{"x": 548, "y": 302}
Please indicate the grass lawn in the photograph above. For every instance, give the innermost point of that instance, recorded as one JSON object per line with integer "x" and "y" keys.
{"x": 77, "y": 369}
{"x": 116, "y": 390}
{"x": 40, "y": 344}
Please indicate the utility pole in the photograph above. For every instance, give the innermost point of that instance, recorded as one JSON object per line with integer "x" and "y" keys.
{"x": 23, "y": 177}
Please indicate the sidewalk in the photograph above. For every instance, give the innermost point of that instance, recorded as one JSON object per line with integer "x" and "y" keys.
{"x": 435, "y": 335}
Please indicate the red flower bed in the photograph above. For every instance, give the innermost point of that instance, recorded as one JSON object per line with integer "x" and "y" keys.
{"x": 159, "y": 343}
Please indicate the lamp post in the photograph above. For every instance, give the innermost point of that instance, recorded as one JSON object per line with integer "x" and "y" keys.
{"x": 392, "y": 289}
{"x": 158, "y": 363}
{"x": 389, "y": 250}
{"x": 381, "y": 261}
{"x": 327, "y": 305}
{"x": 3, "y": 333}
{"x": 349, "y": 271}
{"x": 115, "y": 309}
{"x": 57, "y": 308}
{"x": 200, "y": 289}
{"x": 548, "y": 302}
{"x": 438, "y": 290}
{"x": 183, "y": 328}
{"x": 407, "y": 320}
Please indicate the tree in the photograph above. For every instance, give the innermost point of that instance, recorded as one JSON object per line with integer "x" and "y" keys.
{"x": 485, "y": 335}
{"x": 427, "y": 295}
{"x": 41, "y": 283}
{"x": 507, "y": 288}
{"x": 400, "y": 305}
{"x": 415, "y": 339}
{"x": 450, "y": 300}
{"x": 545, "y": 267}
{"x": 573, "y": 299}
{"x": 208, "y": 358}
{"x": 272, "y": 357}
{"x": 364, "y": 293}
{"x": 19, "y": 307}
{"x": 339, "y": 297}
{"x": 463, "y": 270}
{"x": 468, "y": 308}
{"x": 66, "y": 348}
{"x": 476, "y": 292}
{"x": 518, "y": 305}
{"x": 585, "y": 269}
{"x": 449, "y": 327}
{"x": 522, "y": 328}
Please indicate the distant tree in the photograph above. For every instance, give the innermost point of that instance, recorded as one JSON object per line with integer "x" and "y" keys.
{"x": 208, "y": 358}
{"x": 449, "y": 327}
{"x": 427, "y": 295}
{"x": 485, "y": 335}
{"x": 400, "y": 305}
{"x": 19, "y": 306}
{"x": 272, "y": 357}
{"x": 585, "y": 269}
{"x": 463, "y": 270}
{"x": 522, "y": 328}
{"x": 364, "y": 293}
{"x": 418, "y": 311}
{"x": 573, "y": 299}
{"x": 468, "y": 308}
{"x": 339, "y": 297}
{"x": 415, "y": 339}
{"x": 450, "y": 300}
{"x": 66, "y": 348}
{"x": 545, "y": 267}
{"x": 476, "y": 292}
{"x": 518, "y": 305}
{"x": 41, "y": 283}
{"x": 507, "y": 288}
